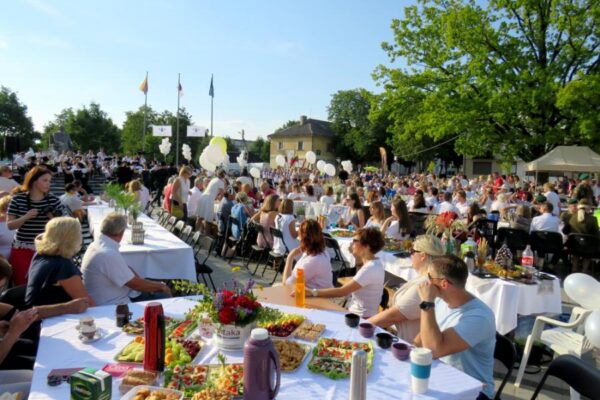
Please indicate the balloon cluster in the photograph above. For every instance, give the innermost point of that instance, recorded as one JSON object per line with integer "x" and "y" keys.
{"x": 325, "y": 168}
{"x": 347, "y": 166}
{"x": 311, "y": 157}
{"x": 255, "y": 172}
{"x": 186, "y": 150}
{"x": 214, "y": 155}
{"x": 585, "y": 290}
{"x": 280, "y": 160}
{"x": 165, "y": 146}
{"x": 242, "y": 159}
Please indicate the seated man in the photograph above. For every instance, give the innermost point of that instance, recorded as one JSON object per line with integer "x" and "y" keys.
{"x": 547, "y": 221}
{"x": 107, "y": 277}
{"x": 459, "y": 329}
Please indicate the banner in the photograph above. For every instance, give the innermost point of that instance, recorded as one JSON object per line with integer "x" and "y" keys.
{"x": 161, "y": 130}
{"x": 195, "y": 131}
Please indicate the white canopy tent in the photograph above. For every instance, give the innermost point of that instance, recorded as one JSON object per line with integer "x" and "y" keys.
{"x": 567, "y": 159}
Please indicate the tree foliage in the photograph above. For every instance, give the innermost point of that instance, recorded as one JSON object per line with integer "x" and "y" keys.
{"x": 288, "y": 124}
{"x": 14, "y": 120}
{"x": 261, "y": 149}
{"x": 90, "y": 128}
{"x": 502, "y": 79}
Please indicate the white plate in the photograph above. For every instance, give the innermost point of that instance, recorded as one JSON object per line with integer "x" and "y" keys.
{"x": 99, "y": 335}
{"x": 131, "y": 394}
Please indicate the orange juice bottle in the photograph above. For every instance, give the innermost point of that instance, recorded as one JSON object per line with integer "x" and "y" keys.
{"x": 299, "y": 287}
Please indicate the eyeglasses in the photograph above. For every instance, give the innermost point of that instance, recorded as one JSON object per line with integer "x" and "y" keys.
{"x": 432, "y": 278}
{"x": 413, "y": 251}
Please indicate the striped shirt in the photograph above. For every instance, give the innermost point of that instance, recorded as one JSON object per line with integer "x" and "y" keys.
{"x": 18, "y": 207}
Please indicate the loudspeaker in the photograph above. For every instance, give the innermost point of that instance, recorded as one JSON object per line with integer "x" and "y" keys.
{"x": 12, "y": 144}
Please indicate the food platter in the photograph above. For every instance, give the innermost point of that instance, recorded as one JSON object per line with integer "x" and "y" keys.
{"x": 152, "y": 392}
{"x": 291, "y": 354}
{"x": 341, "y": 233}
{"x": 190, "y": 378}
{"x": 309, "y": 331}
{"x": 333, "y": 358}
{"x": 178, "y": 351}
{"x": 136, "y": 327}
{"x": 279, "y": 323}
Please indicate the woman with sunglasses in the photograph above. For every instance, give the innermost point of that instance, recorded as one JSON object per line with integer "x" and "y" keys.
{"x": 404, "y": 312}
{"x": 366, "y": 287}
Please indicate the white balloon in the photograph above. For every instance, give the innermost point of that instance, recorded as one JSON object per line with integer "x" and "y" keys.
{"x": 214, "y": 154}
{"x": 280, "y": 160}
{"x": 205, "y": 163}
{"x": 329, "y": 170}
{"x": 321, "y": 165}
{"x": 255, "y": 172}
{"x": 592, "y": 328}
{"x": 311, "y": 157}
{"x": 584, "y": 289}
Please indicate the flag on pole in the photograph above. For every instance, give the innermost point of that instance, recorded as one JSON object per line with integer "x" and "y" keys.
{"x": 144, "y": 85}
{"x": 211, "y": 91}
{"x": 179, "y": 89}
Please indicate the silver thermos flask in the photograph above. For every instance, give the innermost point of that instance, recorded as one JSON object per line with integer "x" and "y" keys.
{"x": 358, "y": 376}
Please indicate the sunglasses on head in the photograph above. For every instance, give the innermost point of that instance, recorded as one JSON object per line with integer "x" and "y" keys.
{"x": 413, "y": 251}
{"x": 56, "y": 380}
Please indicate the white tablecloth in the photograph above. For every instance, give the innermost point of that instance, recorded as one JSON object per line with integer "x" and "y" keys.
{"x": 399, "y": 266}
{"x": 162, "y": 256}
{"x": 510, "y": 299}
{"x": 389, "y": 378}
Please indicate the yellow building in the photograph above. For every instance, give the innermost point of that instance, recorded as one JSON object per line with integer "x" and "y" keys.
{"x": 308, "y": 135}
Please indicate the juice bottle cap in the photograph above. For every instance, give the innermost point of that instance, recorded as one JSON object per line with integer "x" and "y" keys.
{"x": 259, "y": 334}
{"x": 300, "y": 271}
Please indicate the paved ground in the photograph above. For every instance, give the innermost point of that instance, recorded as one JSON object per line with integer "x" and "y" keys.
{"x": 554, "y": 389}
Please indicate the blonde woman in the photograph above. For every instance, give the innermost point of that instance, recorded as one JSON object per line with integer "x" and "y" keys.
{"x": 53, "y": 277}
{"x": 377, "y": 217}
{"x": 180, "y": 193}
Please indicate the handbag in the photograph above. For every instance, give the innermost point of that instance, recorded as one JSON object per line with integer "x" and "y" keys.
{"x": 176, "y": 209}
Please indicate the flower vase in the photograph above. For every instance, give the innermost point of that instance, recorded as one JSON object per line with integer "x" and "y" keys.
{"x": 230, "y": 336}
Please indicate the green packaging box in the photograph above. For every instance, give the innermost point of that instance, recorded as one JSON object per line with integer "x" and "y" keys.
{"x": 91, "y": 384}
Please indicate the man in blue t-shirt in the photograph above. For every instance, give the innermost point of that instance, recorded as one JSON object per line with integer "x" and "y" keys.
{"x": 459, "y": 329}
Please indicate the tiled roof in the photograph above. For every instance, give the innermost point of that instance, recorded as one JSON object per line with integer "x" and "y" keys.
{"x": 312, "y": 127}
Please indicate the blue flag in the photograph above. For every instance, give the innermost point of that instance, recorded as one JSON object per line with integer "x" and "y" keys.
{"x": 211, "y": 91}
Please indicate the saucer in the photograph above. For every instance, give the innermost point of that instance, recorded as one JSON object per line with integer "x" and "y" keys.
{"x": 99, "y": 334}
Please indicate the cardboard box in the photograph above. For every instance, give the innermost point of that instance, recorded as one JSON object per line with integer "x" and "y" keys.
{"x": 91, "y": 384}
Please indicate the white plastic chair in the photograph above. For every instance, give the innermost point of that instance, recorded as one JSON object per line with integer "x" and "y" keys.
{"x": 566, "y": 338}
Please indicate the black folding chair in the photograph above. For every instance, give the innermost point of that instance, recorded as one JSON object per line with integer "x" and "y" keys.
{"x": 186, "y": 234}
{"x": 583, "y": 246}
{"x": 338, "y": 263}
{"x": 506, "y": 353}
{"x": 255, "y": 249}
{"x": 232, "y": 241}
{"x": 488, "y": 229}
{"x": 417, "y": 220}
{"x": 544, "y": 243}
{"x": 276, "y": 258}
{"x": 582, "y": 377}
{"x": 202, "y": 269}
{"x": 177, "y": 228}
{"x": 170, "y": 223}
{"x": 515, "y": 239}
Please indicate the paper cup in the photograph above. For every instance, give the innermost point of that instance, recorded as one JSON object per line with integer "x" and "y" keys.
{"x": 420, "y": 369}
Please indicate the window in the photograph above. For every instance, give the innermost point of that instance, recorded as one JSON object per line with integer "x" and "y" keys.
{"x": 318, "y": 152}
{"x": 330, "y": 147}
{"x": 279, "y": 145}
{"x": 482, "y": 167}
{"x": 300, "y": 145}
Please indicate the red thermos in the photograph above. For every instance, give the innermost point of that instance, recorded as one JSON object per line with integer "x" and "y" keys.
{"x": 154, "y": 337}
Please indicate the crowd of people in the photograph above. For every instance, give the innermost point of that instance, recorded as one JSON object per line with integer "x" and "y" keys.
{"x": 40, "y": 234}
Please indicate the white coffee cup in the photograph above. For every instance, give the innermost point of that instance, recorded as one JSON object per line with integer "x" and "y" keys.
{"x": 86, "y": 320}
{"x": 420, "y": 369}
{"x": 88, "y": 331}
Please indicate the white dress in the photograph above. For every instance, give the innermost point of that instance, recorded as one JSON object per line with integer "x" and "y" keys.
{"x": 206, "y": 203}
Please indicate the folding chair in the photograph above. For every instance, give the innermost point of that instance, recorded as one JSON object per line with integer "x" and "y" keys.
{"x": 275, "y": 257}
{"x": 506, "y": 353}
{"x": 583, "y": 378}
{"x": 202, "y": 269}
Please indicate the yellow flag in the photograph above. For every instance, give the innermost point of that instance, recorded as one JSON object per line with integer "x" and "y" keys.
{"x": 144, "y": 85}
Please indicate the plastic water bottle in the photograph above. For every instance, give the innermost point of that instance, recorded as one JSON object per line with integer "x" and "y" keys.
{"x": 527, "y": 260}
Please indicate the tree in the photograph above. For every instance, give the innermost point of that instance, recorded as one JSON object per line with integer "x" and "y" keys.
{"x": 261, "y": 149}
{"x": 359, "y": 134}
{"x": 492, "y": 77}
{"x": 14, "y": 120}
{"x": 132, "y": 133}
{"x": 288, "y": 124}
{"x": 90, "y": 128}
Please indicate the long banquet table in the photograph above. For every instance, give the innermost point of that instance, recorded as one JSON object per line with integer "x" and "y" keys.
{"x": 389, "y": 378}
{"x": 162, "y": 256}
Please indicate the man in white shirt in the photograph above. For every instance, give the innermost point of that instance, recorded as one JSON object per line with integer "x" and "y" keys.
{"x": 447, "y": 206}
{"x": 553, "y": 198}
{"x": 547, "y": 221}
{"x": 461, "y": 203}
{"x": 7, "y": 183}
{"x": 107, "y": 277}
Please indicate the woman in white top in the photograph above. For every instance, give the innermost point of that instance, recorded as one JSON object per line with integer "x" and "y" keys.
{"x": 377, "y": 217}
{"x": 309, "y": 194}
{"x": 314, "y": 259}
{"x": 366, "y": 286}
{"x": 181, "y": 190}
{"x": 418, "y": 203}
{"x": 206, "y": 202}
{"x": 398, "y": 226}
{"x": 328, "y": 199}
{"x": 404, "y": 311}
{"x": 286, "y": 223}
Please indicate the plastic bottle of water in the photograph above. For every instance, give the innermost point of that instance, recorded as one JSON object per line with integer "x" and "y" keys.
{"x": 527, "y": 260}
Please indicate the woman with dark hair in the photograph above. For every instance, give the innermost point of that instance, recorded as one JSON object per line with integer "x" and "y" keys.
{"x": 28, "y": 212}
{"x": 366, "y": 286}
{"x": 377, "y": 217}
{"x": 266, "y": 218}
{"x": 418, "y": 202}
{"x": 473, "y": 213}
{"x": 356, "y": 217}
{"x": 314, "y": 259}
{"x": 398, "y": 226}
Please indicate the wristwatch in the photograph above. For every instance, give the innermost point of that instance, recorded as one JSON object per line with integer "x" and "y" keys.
{"x": 313, "y": 291}
{"x": 426, "y": 305}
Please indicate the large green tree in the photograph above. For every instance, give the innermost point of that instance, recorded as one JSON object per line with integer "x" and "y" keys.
{"x": 501, "y": 78}
{"x": 14, "y": 120}
{"x": 261, "y": 148}
{"x": 133, "y": 137}
{"x": 90, "y": 128}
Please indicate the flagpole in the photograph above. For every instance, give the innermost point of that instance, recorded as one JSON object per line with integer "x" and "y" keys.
{"x": 145, "y": 109}
{"x": 212, "y": 98}
{"x": 177, "y": 129}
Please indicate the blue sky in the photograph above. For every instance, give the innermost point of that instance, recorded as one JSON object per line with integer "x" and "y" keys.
{"x": 272, "y": 60}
